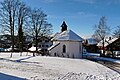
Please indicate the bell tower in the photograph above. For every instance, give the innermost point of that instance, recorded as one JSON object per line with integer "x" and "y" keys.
{"x": 63, "y": 26}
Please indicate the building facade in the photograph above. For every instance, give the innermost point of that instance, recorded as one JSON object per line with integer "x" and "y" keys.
{"x": 66, "y": 44}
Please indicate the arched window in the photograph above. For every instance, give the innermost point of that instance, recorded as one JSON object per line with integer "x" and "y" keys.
{"x": 55, "y": 54}
{"x": 64, "y": 49}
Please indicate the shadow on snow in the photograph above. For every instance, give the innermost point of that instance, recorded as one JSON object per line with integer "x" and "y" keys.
{"x": 19, "y": 60}
{"x": 9, "y": 77}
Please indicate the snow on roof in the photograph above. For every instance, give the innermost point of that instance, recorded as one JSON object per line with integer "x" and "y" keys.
{"x": 53, "y": 35}
{"x": 91, "y": 41}
{"x": 32, "y": 48}
{"x": 10, "y": 49}
{"x": 107, "y": 42}
{"x": 54, "y": 45}
{"x": 67, "y": 35}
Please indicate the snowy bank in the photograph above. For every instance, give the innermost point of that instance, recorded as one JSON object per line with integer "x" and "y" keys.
{"x": 97, "y": 57}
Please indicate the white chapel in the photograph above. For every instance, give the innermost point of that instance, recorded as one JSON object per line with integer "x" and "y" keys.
{"x": 66, "y": 44}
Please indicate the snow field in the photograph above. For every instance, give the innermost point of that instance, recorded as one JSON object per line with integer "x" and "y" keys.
{"x": 52, "y": 68}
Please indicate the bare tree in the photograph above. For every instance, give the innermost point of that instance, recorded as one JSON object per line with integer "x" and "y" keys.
{"x": 116, "y": 33}
{"x": 46, "y": 30}
{"x": 22, "y": 16}
{"x": 8, "y": 17}
{"x": 101, "y": 31}
{"x": 39, "y": 25}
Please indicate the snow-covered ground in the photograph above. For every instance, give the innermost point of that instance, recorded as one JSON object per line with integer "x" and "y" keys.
{"x": 52, "y": 68}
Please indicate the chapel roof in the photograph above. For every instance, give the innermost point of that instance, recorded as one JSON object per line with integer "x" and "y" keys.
{"x": 68, "y": 35}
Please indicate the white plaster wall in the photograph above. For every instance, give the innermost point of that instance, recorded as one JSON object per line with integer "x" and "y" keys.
{"x": 59, "y": 49}
{"x": 55, "y": 50}
{"x": 73, "y": 49}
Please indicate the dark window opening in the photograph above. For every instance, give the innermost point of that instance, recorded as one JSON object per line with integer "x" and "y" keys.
{"x": 64, "y": 49}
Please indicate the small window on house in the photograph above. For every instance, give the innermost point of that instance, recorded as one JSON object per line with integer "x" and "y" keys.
{"x": 46, "y": 41}
{"x": 45, "y": 49}
{"x": 55, "y": 54}
{"x": 40, "y": 41}
{"x": 64, "y": 48}
{"x": 47, "y": 46}
{"x": 42, "y": 45}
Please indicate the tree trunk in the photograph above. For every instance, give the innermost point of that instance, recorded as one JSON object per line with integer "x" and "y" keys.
{"x": 103, "y": 47}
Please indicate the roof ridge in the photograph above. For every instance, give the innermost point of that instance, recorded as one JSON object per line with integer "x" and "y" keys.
{"x": 68, "y": 35}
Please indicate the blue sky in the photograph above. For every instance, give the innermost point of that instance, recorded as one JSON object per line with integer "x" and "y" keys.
{"x": 80, "y": 15}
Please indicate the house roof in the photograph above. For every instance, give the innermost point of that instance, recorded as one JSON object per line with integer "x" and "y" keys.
{"x": 34, "y": 49}
{"x": 68, "y": 35}
{"x": 107, "y": 42}
{"x": 91, "y": 41}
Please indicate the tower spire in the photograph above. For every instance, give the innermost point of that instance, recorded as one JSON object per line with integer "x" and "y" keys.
{"x": 63, "y": 26}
